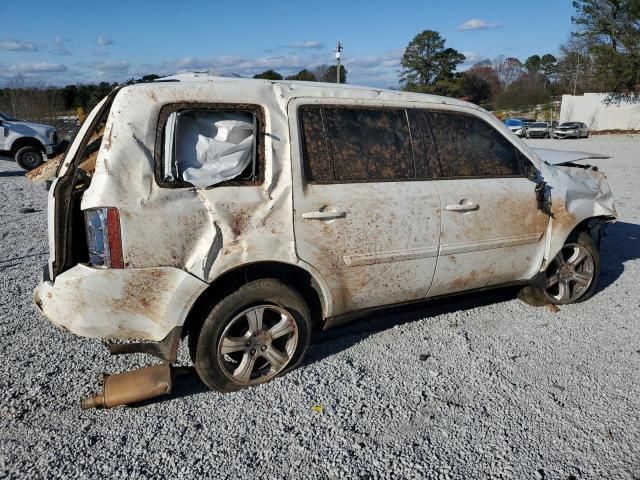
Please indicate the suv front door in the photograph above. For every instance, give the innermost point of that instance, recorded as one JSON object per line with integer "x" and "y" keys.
{"x": 363, "y": 216}
{"x": 492, "y": 230}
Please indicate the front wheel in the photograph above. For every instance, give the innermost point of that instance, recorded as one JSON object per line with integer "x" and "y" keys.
{"x": 258, "y": 332}
{"x": 29, "y": 157}
{"x": 571, "y": 277}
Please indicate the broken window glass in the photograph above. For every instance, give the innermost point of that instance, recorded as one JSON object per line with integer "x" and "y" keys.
{"x": 207, "y": 147}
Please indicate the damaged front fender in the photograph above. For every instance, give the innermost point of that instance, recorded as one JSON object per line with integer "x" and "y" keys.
{"x": 576, "y": 193}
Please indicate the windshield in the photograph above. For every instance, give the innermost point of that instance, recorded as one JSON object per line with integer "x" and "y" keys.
{"x": 572, "y": 125}
{"x": 512, "y": 122}
{"x": 4, "y": 116}
{"x": 539, "y": 125}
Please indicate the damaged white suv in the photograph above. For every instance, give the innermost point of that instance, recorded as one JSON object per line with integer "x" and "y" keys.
{"x": 246, "y": 213}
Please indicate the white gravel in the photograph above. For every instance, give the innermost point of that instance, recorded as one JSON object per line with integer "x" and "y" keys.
{"x": 503, "y": 390}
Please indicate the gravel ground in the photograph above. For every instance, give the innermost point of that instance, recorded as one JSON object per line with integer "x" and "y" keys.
{"x": 482, "y": 386}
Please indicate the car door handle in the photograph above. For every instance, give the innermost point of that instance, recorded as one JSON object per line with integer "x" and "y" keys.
{"x": 462, "y": 207}
{"x": 323, "y": 215}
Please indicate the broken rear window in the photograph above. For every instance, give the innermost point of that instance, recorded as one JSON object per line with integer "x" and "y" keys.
{"x": 207, "y": 147}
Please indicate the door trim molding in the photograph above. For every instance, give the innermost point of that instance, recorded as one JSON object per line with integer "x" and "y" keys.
{"x": 451, "y": 248}
{"x": 390, "y": 256}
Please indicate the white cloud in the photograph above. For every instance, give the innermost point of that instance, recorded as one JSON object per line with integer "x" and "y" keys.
{"x": 35, "y": 68}
{"x": 477, "y": 24}
{"x": 310, "y": 44}
{"x": 471, "y": 58}
{"x": 110, "y": 67}
{"x": 58, "y": 47}
{"x": 12, "y": 45}
{"x": 104, "y": 40}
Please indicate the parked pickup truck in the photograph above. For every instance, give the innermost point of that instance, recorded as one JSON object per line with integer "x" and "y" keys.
{"x": 27, "y": 142}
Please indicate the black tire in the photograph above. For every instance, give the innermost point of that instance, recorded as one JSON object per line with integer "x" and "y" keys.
{"x": 204, "y": 342}
{"x": 538, "y": 296}
{"x": 29, "y": 157}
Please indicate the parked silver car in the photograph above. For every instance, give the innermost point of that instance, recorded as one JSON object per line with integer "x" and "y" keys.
{"x": 538, "y": 130}
{"x": 245, "y": 214}
{"x": 571, "y": 130}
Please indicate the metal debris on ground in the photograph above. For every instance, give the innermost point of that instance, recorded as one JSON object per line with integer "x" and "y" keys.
{"x": 552, "y": 308}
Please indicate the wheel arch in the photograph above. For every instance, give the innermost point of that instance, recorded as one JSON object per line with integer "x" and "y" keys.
{"x": 300, "y": 279}
{"x": 26, "y": 142}
{"x": 593, "y": 225}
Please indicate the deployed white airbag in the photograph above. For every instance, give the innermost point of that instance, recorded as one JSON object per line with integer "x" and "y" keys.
{"x": 213, "y": 146}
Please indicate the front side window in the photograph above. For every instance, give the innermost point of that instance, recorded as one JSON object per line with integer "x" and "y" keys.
{"x": 206, "y": 147}
{"x": 347, "y": 144}
{"x": 469, "y": 147}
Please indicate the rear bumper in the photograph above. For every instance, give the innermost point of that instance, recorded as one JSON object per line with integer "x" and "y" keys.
{"x": 136, "y": 303}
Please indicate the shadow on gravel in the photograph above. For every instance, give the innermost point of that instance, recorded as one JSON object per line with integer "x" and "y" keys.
{"x": 326, "y": 344}
{"x": 620, "y": 244}
{"x": 330, "y": 342}
{"x": 15, "y": 173}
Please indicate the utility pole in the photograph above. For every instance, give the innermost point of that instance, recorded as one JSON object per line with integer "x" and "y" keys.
{"x": 575, "y": 81}
{"x": 338, "y": 50}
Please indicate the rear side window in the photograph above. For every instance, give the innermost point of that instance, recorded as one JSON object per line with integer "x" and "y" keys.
{"x": 206, "y": 145}
{"x": 469, "y": 147}
{"x": 343, "y": 144}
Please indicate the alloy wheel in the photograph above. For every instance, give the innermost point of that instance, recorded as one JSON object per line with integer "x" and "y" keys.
{"x": 570, "y": 274}
{"x": 257, "y": 344}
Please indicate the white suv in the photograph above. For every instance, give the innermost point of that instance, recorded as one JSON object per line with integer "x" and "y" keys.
{"x": 27, "y": 142}
{"x": 246, "y": 213}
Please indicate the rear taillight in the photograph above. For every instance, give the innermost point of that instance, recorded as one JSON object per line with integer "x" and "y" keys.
{"x": 103, "y": 237}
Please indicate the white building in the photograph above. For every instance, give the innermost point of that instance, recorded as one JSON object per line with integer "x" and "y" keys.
{"x": 594, "y": 110}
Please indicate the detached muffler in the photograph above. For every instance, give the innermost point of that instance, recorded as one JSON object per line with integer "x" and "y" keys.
{"x": 131, "y": 387}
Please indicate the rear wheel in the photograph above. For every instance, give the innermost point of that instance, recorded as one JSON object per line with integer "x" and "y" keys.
{"x": 29, "y": 157}
{"x": 571, "y": 277}
{"x": 257, "y": 333}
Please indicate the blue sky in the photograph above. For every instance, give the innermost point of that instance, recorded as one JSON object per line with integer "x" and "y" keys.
{"x": 61, "y": 42}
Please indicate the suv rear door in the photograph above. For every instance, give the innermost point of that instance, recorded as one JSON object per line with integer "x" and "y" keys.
{"x": 492, "y": 230}
{"x": 366, "y": 214}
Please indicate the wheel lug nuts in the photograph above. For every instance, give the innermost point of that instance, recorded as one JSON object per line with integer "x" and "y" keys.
{"x": 263, "y": 348}
{"x": 253, "y": 351}
{"x": 248, "y": 342}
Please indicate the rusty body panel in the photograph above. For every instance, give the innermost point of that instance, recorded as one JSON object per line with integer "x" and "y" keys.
{"x": 140, "y": 303}
{"x": 500, "y": 242}
{"x": 364, "y": 243}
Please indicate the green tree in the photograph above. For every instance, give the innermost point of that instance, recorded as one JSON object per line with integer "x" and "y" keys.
{"x": 611, "y": 30}
{"x": 486, "y": 71}
{"x": 426, "y": 61}
{"x": 533, "y": 64}
{"x": 304, "y": 75}
{"x": 327, "y": 73}
{"x": 150, "y": 78}
{"x": 474, "y": 87}
{"x": 548, "y": 66}
{"x": 269, "y": 75}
